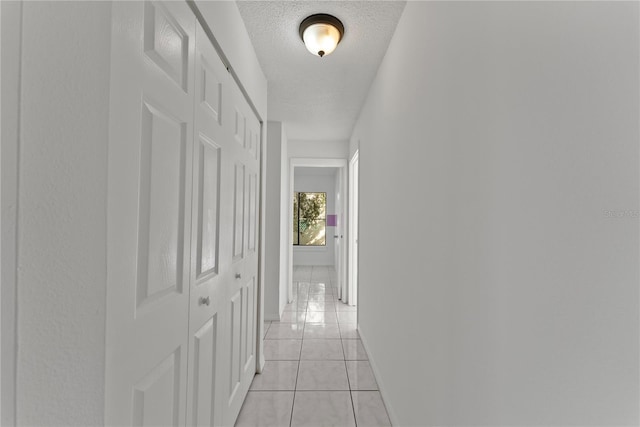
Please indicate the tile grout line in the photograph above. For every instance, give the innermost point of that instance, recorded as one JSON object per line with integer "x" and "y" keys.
{"x": 295, "y": 387}
{"x": 346, "y": 368}
{"x": 353, "y": 406}
{"x": 334, "y": 311}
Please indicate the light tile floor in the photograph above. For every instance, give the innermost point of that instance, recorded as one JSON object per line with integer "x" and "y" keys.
{"x": 317, "y": 372}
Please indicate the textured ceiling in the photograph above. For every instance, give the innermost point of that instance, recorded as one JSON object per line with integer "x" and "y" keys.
{"x": 319, "y": 99}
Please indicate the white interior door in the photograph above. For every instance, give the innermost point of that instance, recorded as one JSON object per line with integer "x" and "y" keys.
{"x": 149, "y": 213}
{"x": 244, "y": 155}
{"x": 242, "y": 290}
{"x": 209, "y": 266}
{"x": 183, "y": 225}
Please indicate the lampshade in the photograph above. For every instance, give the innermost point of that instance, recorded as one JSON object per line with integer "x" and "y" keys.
{"x": 321, "y": 33}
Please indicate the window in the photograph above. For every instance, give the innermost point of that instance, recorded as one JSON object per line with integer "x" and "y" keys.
{"x": 309, "y": 219}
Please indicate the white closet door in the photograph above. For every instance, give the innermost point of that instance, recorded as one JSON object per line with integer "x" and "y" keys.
{"x": 242, "y": 290}
{"x": 149, "y": 213}
{"x": 210, "y": 264}
{"x": 184, "y": 155}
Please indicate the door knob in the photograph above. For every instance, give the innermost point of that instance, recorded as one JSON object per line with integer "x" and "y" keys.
{"x": 204, "y": 301}
{"x": 336, "y": 236}
{"x": 238, "y": 276}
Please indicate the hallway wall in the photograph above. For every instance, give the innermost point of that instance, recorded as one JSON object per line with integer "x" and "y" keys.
{"x": 277, "y": 216}
{"x": 499, "y": 151}
{"x": 318, "y": 149}
{"x": 61, "y": 213}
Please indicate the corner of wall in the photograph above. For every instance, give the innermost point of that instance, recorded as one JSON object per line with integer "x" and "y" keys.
{"x": 285, "y": 267}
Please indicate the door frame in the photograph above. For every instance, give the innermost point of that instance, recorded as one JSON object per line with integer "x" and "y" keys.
{"x": 318, "y": 163}
{"x": 354, "y": 168}
{"x": 260, "y": 235}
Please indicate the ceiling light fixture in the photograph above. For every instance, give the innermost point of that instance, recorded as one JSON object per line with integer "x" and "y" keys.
{"x": 321, "y": 33}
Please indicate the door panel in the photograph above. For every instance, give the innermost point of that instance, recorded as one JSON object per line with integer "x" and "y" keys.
{"x": 209, "y": 204}
{"x": 235, "y": 326}
{"x": 161, "y": 205}
{"x": 149, "y": 213}
{"x": 156, "y": 399}
{"x": 249, "y": 338}
{"x": 238, "y": 212}
{"x": 253, "y": 211}
{"x": 240, "y": 123}
{"x": 203, "y": 385}
{"x": 166, "y": 43}
{"x": 211, "y": 84}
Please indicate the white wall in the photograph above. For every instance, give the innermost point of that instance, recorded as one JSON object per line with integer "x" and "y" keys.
{"x": 495, "y": 141}
{"x": 11, "y": 30}
{"x": 316, "y": 255}
{"x": 285, "y": 227}
{"x": 61, "y": 213}
{"x": 318, "y": 149}
{"x": 276, "y": 251}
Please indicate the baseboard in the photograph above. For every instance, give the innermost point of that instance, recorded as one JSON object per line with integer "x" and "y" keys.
{"x": 376, "y": 372}
{"x": 271, "y": 318}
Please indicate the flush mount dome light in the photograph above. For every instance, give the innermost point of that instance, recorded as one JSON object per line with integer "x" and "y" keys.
{"x": 321, "y": 33}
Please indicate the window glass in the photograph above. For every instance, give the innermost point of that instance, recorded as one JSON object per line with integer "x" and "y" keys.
{"x": 309, "y": 219}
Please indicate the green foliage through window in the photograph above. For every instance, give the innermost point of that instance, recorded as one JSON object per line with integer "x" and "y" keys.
{"x": 309, "y": 219}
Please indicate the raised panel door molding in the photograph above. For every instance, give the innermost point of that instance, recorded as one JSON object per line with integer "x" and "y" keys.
{"x": 161, "y": 205}
{"x": 156, "y": 395}
{"x": 240, "y": 128}
{"x": 208, "y": 206}
{"x": 166, "y": 43}
{"x": 249, "y": 325}
{"x": 211, "y": 91}
{"x": 239, "y": 211}
{"x": 235, "y": 349}
{"x": 254, "y": 139}
{"x": 253, "y": 211}
{"x": 203, "y": 381}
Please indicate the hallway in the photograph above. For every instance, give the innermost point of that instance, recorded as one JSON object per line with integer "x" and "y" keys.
{"x": 317, "y": 371}
{"x": 149, "y": 152}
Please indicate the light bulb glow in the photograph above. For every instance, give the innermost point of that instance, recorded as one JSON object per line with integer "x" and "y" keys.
{"x": 321, "y": 39}
{"x": 321, "y": 33}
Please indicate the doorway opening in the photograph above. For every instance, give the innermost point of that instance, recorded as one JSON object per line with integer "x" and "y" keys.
{"x": 327, "y": 228}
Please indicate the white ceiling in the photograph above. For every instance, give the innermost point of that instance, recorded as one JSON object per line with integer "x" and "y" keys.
{"x": 319, "y": 99}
